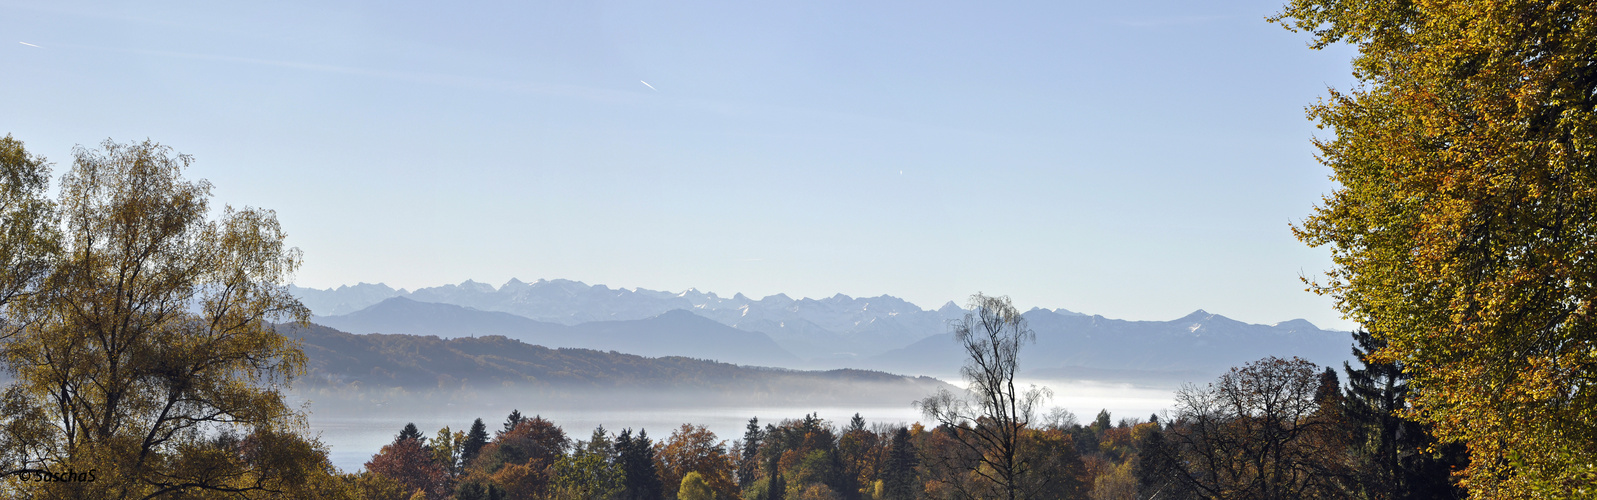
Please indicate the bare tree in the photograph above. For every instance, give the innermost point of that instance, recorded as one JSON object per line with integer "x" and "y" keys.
{"x": 1256, "y": 433}
{"x": 987, "y": 422}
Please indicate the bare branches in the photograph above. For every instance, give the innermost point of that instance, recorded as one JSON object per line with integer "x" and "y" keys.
{"x": 1255, "y": 432}
{"x": 988, "y": 421}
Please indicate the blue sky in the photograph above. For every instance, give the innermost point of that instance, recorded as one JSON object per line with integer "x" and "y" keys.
{"x": 1133, "y": 159}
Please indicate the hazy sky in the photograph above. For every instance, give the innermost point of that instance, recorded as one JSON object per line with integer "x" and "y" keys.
{"x": 1133, "y": 159}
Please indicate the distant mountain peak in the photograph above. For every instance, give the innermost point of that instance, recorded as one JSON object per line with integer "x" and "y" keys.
{"x": 1296, "y": 325}
{"x": 682, "y": 315}
{"x": 812, "y": 328}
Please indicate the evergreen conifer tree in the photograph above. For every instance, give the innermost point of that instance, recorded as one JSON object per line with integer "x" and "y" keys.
{"x": 748, "y": 467}
{"x": 513, "y": 420}
{"x": 1396, "y": 457}
{"x": 898, "y": 482}
{"x": 410, "y": 432}
{"x": 637, "y": 462}
{"x": 476, "y": 438}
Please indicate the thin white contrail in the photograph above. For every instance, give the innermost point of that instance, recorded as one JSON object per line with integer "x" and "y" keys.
{"x": 646, "y": 84}
{"x": 38, "y": 47}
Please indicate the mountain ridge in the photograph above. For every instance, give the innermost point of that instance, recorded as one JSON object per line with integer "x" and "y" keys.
{"x": 672, "y": 333}
{"x": 872, "y": 334}
{"x": 836, "y": 330}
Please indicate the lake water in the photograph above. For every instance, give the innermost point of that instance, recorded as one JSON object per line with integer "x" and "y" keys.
{"x": 354, "y": 436}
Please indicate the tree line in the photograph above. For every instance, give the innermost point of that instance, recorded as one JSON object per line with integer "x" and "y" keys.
{"x": 1274, "y": 428}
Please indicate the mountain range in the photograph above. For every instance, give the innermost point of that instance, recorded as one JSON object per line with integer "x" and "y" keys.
{"x": 838, "y": 327}
{"x": 673, "y": 333}
{"x": 878, "y": 333}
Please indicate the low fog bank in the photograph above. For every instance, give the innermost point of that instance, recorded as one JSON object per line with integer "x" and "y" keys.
{"x": 759, "y": 393}
{"x": 356, "y": 424}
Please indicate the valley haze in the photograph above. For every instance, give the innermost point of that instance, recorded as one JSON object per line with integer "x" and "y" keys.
{"x": 587, "y": 355}
{"x": 874, "y": 333}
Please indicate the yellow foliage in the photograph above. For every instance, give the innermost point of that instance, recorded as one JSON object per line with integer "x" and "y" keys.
{"x": 149, "y": 346}
{"x": 1463, "y": 229}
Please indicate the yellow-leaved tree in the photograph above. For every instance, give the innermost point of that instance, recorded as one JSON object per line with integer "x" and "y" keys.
{"x": 145, "y": 359}
{"x": 1464, "y": 230}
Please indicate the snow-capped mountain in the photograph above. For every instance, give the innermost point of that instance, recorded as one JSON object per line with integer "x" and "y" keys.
{"x": 885, "y": 332}
{"x": 838, "y": 327}
{"x": 1195, "y": 347}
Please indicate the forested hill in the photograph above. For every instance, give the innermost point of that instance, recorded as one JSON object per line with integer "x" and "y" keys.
{"x": 341, "y": 362}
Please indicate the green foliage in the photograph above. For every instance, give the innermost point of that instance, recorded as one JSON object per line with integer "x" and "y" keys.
{"x": 368, "y": 485}
{"x": 446, "y": 450}
{"x": 694, "y": 487}
{"x": 758, "y": 489}
{"x": 592, "y": 471}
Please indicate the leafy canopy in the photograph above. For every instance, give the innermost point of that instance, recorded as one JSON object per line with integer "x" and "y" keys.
{"x": 143, "y": 344}
{"x": 1465, "y": 229}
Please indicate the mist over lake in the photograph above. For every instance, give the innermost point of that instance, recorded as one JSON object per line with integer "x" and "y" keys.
{"x": 354, "y": 433}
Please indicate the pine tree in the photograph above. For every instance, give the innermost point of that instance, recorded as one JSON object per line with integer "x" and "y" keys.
{"x": 1396, "y": 461}
{"x": 748, "y": 463}
{"x": 899, "y": 477}
{"x": 410, "y": 432}
{"x": 513, "y": 420}
{"x": 476, "y": 438}
{"x": 1101, "y": 423}
{"x": 637, "y": 462}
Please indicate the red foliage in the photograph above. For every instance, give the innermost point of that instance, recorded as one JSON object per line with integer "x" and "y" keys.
{"x": 408, "y": 463}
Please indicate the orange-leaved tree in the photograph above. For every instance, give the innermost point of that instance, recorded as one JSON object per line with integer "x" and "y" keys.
{"x": 693, "y": 448}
